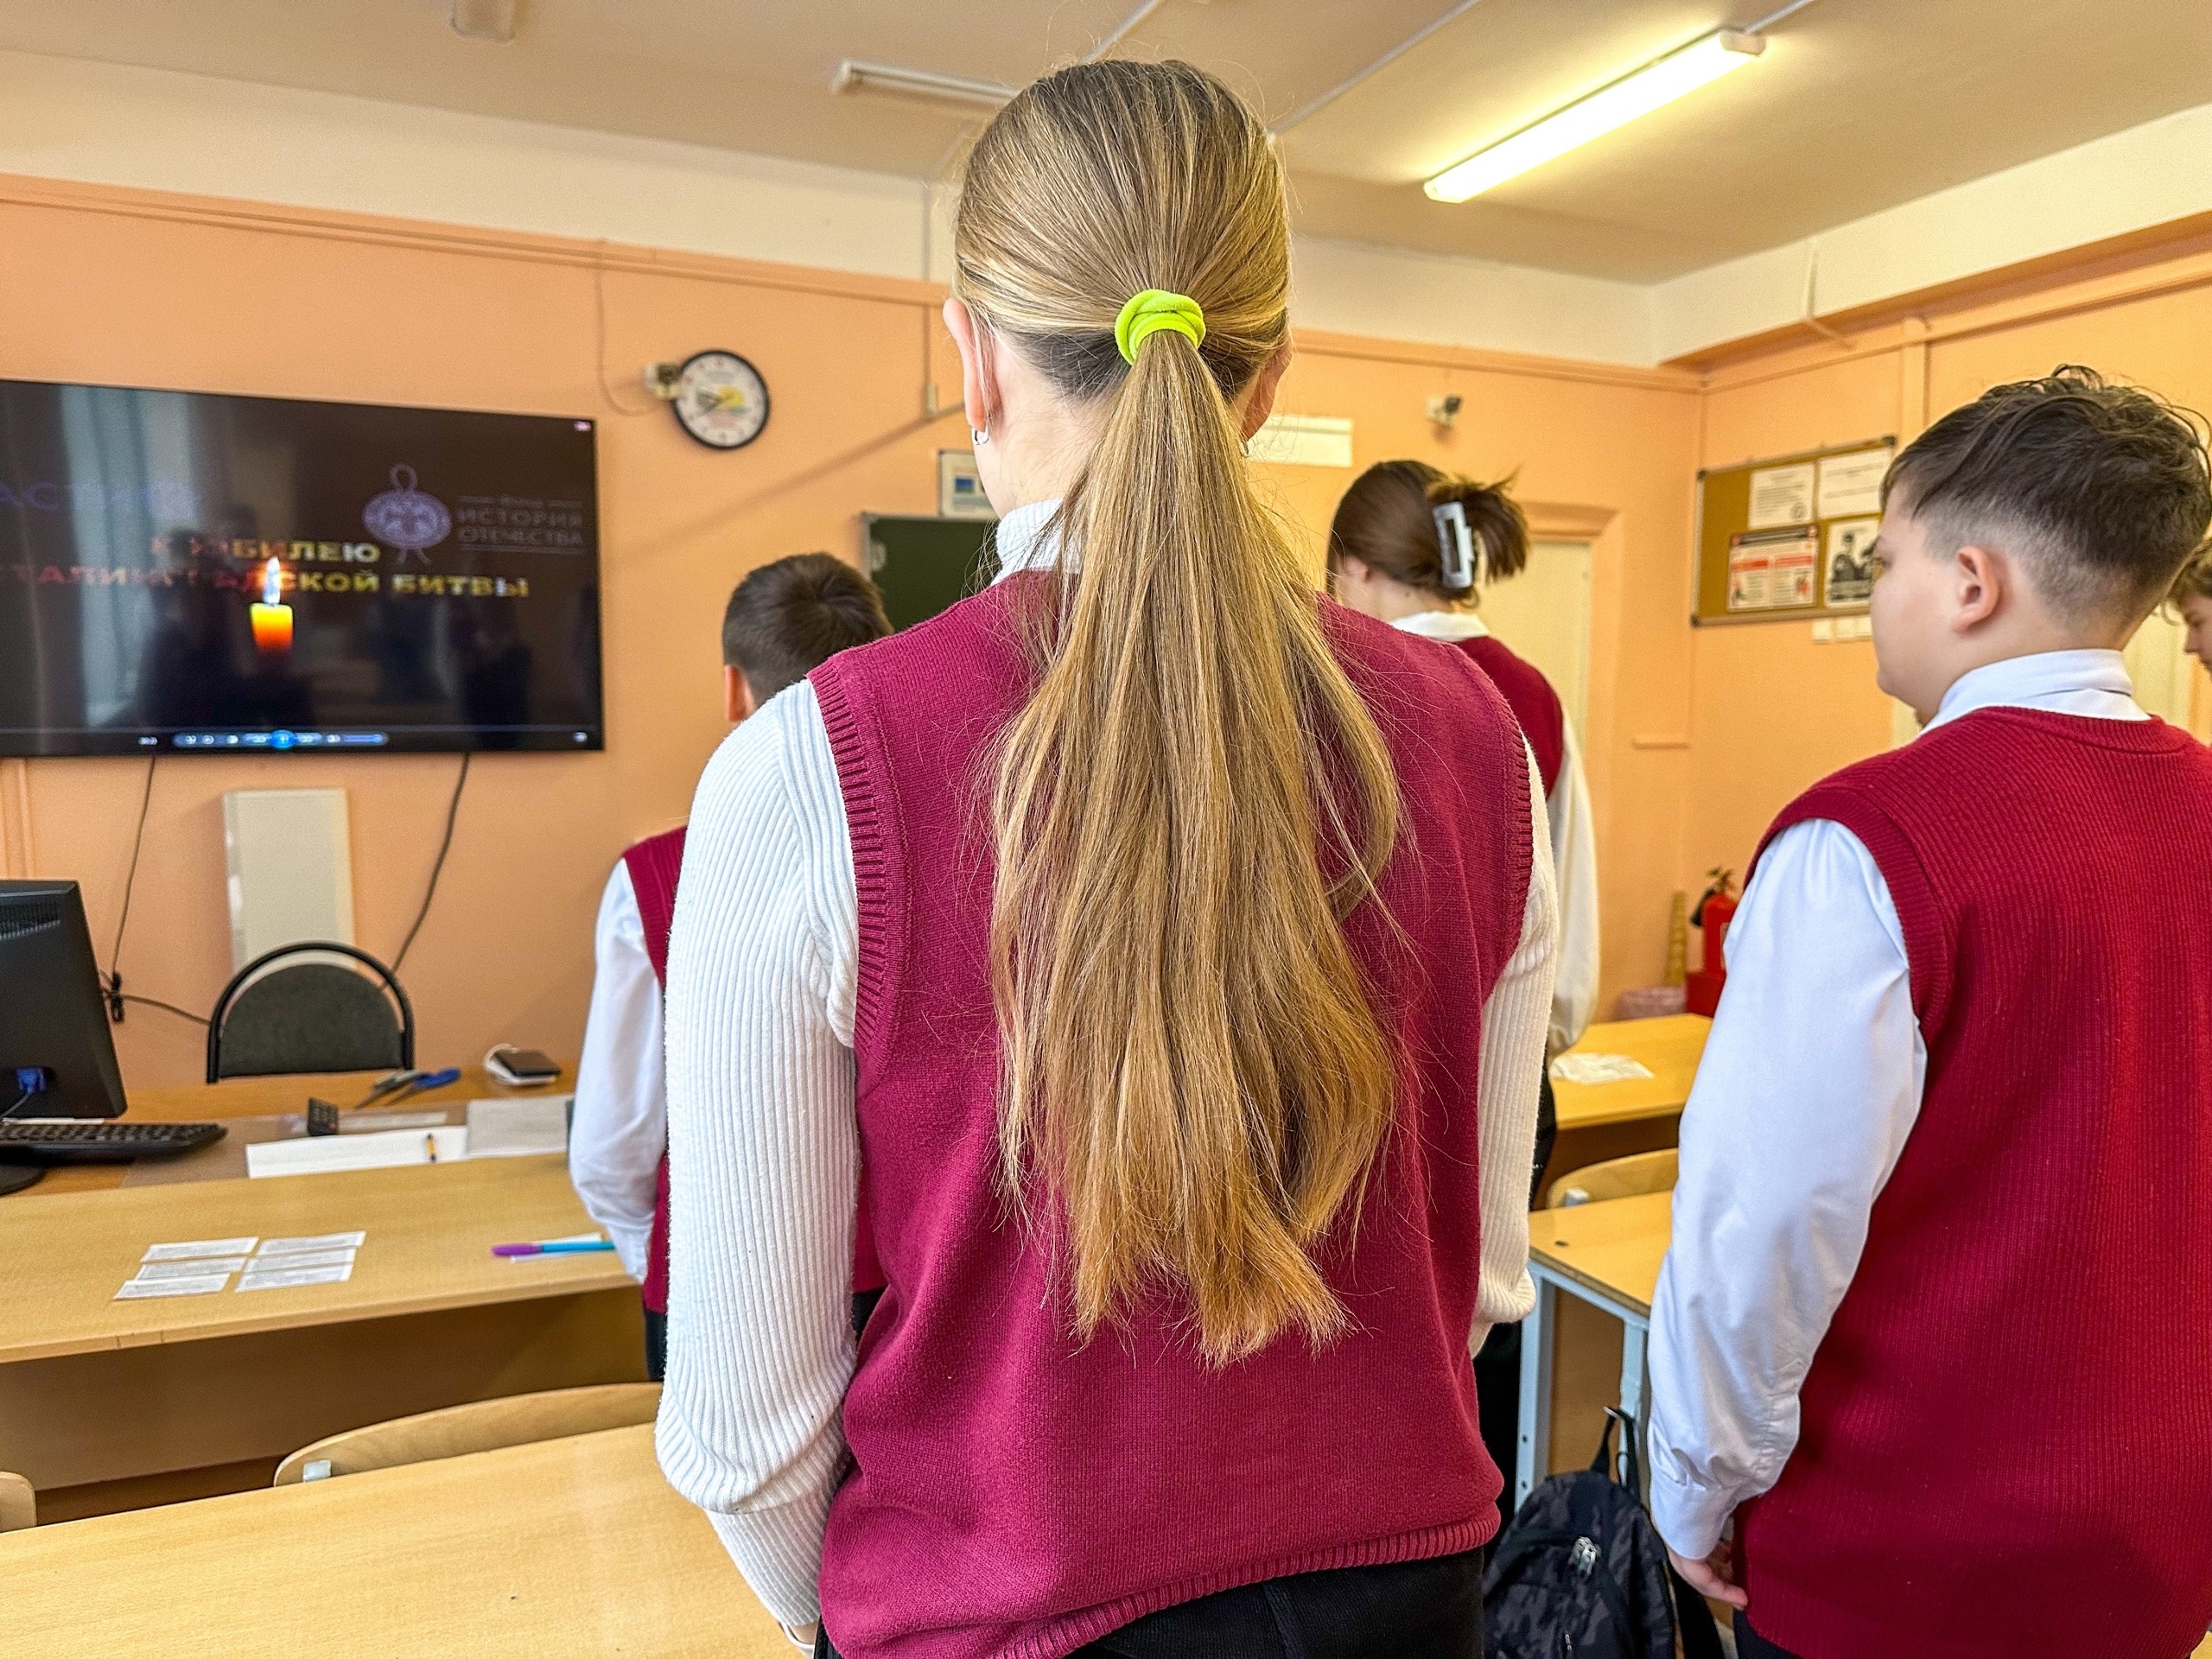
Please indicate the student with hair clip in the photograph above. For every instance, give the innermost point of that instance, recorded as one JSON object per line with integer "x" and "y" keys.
{"x": 1116, "y": 941}
{"x": 1415, "y": 547}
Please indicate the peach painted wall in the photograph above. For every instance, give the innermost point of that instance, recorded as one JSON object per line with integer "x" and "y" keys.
{"x": 1772, "y": 709}
{"x": 134, "y": 287}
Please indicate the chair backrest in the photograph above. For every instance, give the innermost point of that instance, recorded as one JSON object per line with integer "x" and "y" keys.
{"x": 310, "y": 1016}
{"x": 1616, "y": 1177}
{"x": 481, "y": 1426}
{"x": 18, "y": 1503}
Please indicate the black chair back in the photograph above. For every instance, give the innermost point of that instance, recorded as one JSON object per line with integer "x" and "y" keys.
{"x": 311, "y": 1016}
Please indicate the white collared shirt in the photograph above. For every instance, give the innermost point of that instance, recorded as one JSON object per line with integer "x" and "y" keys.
{"x": 1810, "y": 1085}
{"x": 620, "y": 1125}
{"x": 765, "y": 1161}
{"x": 1574, "y": 854}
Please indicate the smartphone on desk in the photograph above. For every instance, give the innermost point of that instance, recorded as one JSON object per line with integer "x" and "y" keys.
{"x": 521, "y": 1068}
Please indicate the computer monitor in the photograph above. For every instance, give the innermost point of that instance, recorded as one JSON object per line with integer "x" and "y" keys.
{"x": 51, "y": 1015}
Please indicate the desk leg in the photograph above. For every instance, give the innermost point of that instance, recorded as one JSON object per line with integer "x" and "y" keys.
{"x": 1635, "y": 1373}
{"x": 1538, "y": 1332}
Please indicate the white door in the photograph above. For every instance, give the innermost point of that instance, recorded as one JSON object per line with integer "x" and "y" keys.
{"x": 1543, "y": 614}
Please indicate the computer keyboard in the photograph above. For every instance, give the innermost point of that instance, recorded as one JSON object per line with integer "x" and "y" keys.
{"x": 98, "y": 1140}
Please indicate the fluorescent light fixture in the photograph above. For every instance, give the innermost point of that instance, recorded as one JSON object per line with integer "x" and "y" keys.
{"x": 1657, "y": 84}
{"x": 855, "y": 77}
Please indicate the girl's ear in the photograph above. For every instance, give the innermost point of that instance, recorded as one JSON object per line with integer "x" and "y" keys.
{"x": 979, "y": 391}
{"x": 1260, "y": 402}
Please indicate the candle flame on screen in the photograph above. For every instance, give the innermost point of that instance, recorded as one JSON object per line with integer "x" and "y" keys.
{"x": 272, "y": 583}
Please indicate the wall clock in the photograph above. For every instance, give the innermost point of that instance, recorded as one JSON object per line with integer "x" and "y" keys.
{"x": 721, "y": 399}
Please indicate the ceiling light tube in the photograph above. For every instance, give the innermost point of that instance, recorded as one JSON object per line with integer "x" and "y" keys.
{"x": 855, "y": 77}
{"x": 1657, "y": 84}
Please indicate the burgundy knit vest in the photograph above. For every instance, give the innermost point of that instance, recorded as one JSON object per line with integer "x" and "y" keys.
{"x": 2006, "y": 1434}
{"x": 1532, "y": 700}
{"x": 654, "y": 864}
{"x": 1015, "y": 1494}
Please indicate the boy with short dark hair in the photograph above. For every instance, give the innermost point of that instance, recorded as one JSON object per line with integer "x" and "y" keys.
{"x": 783, "y": 621}
{"x": 1937, "y": 1324}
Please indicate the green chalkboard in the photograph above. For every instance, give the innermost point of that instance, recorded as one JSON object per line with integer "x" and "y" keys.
{"x": 925, "y": 564}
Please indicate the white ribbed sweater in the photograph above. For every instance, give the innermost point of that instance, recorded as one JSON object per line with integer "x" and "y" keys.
{"x": 764, "y": 1155}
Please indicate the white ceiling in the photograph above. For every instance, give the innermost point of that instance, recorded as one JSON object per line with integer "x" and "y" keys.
{"x": 1858, "y": 104}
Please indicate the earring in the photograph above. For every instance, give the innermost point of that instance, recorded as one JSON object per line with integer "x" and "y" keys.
{"x": 978, "y": 437}
{"x": 1245, "y": 448}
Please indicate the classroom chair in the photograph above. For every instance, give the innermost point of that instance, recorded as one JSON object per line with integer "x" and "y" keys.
{"x": 1616, "y": 1177}
{"x": 18, "y": 1503}
{"x": 481, "y": 1426}
{"x": 274, "y": 1020}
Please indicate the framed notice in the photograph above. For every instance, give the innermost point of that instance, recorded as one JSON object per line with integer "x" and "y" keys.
{"x": 1790, "y": 537}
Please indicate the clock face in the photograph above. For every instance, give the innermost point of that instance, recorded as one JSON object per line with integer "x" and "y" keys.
{"x": 721, "y": 400}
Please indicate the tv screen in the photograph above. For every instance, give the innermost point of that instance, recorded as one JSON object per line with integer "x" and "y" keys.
{"x": 188, "y": 573}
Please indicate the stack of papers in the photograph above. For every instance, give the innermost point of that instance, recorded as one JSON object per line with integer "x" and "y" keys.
{"x": 202, "y": 1266}
{"x": 317, "y": 1155}
{"x": 195, "y": 1268}
{"x": 518, "y": 1128}
{"x": 1597, "y": 1068}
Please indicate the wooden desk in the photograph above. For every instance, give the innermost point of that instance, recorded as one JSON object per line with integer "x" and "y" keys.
{"x": 566, "y": 1547}
{"x": 95, "y": 1390}
{"x": 1607, "y": 1254}
{"x": 1671, "y": 1046}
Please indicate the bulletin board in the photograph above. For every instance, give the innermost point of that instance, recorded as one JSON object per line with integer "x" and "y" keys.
{"x": 1790, "y": 537}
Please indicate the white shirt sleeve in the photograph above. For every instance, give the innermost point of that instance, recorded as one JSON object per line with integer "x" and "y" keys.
{"x": 1810, "y": 1084}
{"x": 1574, "y": 858}
{"x": 1514, "y": 1021}
{"x": 619, "y": 1127}
{"x": 763, "y": 1152}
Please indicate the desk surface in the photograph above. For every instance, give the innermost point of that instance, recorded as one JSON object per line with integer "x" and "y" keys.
{"x": 1613, "y": 1248}
{"x": 430, "y": 1231}
{"x": 1671, "y": 1046}
{"x": 264, "y": 1097}
{"x": 566, "y": 1547}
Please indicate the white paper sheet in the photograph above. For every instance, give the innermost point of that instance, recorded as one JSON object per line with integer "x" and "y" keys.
{"x": 292, "y": 1260}
{"x": 1597, "y": 1068}
{"x": 317, "y": 1241}
{"x": 517, "y": 1128}
{"x": 1781, "y": 495}
{"x": 326, "y": 1153}
{"x": 199, "y": 1247}
{"x": 1851, "y": 485}
{"x": 287, "y": 1277}
{"x": 198, "y": 1284}
{"x": 188, "y": 1269}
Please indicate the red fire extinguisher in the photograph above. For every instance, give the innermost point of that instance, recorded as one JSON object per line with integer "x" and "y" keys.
{"x": 1701, "y": 992}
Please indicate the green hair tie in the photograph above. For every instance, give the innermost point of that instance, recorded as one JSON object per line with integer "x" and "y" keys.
{"x": 1154, "y": 309}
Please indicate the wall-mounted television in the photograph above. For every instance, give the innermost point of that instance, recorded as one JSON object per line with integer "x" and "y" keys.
{"x": 191, "y": 572}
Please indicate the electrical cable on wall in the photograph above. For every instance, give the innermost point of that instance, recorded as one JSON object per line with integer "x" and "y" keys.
{"x": 112, "y": 983}
{"x": 437, "y": 868}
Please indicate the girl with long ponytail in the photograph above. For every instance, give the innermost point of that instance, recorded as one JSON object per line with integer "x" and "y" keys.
{"x": 1116, "y": 945}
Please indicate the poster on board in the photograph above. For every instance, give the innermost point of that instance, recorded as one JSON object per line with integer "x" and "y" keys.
{"x": 1849, "y": 583}
{"x": 1781, "y": 495}
{"x": 1850, "y": 484}
{"x": 1773, "y": 569}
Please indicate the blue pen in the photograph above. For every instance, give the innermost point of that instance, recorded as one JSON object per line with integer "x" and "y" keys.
{"x": 430, "y": 1080}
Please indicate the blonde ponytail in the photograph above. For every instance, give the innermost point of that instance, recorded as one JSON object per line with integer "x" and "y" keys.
{"x": 1192, "y": 1070}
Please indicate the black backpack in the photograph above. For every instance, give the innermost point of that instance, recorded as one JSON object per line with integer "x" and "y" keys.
{"x": 1581, "y": 1574}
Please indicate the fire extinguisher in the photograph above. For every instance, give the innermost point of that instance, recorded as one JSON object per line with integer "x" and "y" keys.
{"x": 1702, "y": 991}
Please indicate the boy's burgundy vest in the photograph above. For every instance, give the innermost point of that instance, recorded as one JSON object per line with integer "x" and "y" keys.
{"x": 1015, "y": 1494}
{"x": 2006, "y": 1434}
{"x": 1532, "y": 700}
{"x": 654, "y": 864}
